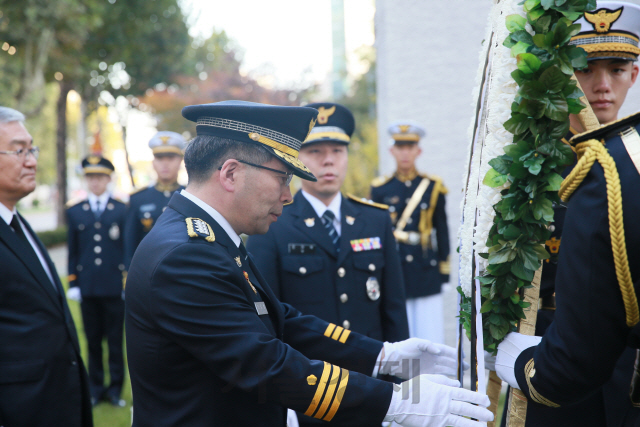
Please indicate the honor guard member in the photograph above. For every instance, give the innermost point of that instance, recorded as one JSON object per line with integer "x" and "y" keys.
{"x": 609, "y": 35}
{"x": 330, "y": 255}
{"x": 146, "y": 205}
{"x": 416, "y": 203}
{"x": 597, "y": 284}
{"x": 96, "y": 268}
{"x": 208, "y": 342}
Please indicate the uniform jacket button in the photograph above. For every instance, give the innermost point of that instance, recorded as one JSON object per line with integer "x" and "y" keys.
{"x": 98, "y": 261}
{"x": 74, "y": 363}
{"x": 97, "y": 237}
{"x": 372, "y": 267}
{"x": 346, "y": 324}
{"x": 97, "y": 249}
{"x": 344, "y": 298}
{"x": 302, "y": 270}
{"x": 341, "y": 272}
{"x": 409, "y": 258}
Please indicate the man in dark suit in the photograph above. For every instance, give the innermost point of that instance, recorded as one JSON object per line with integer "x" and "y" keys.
{"x": 146, "y": 204}
{"x": 417, "y": 207}
{"x": 208, "y": 342}
{"x": 96, "y": 269}
{"x": 42, "y": 378}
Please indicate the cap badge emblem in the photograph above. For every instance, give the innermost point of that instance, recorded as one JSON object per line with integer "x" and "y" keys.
{"x": 94, "y": 160}
{"x": 165, "y": 139}
{"x": 602, "y": 19}
{"x": 404, "y": 128}
{"x": 324, "y": 114}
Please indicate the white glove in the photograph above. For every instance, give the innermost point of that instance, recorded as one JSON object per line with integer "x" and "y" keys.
{"x": 508, "y": 351}
{"x": 397, "y": 358}
{"x": 292, "y": 418}
{"x": 489, "y": 361}
{"x": 437, "y": 401}
{"x": 74, "y": 294}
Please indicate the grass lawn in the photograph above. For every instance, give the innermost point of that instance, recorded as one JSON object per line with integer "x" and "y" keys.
{"x": 104, "y": 415}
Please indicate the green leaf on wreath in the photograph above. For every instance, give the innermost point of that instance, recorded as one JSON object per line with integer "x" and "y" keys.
{"x": 553, "y": 79}
{"x": 519, "y": 48}
{"x": 528, "y": 63}
{"x": 515, "y": 23}
{"x": 557, "y": 108}
{"x": 554, "y": 181}
{"x": 517, "y": 268}
{"x": 487, "y": 306}
{"x": 546, "y": 4}
{"x": 494, "y": 179}
{"x": 543, "y": 209}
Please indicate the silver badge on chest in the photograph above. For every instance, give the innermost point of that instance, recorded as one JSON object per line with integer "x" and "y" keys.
{"x": 373, "y": 288}
{"x": 114, "y": 232}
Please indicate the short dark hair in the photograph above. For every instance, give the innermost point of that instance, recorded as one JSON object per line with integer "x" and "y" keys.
{"x": 205, "y": 153}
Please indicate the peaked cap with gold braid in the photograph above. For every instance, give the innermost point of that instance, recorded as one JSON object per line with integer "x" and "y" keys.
{"x": 95, "y": 163}
{"x": 335, "y": 124}
{"x": 280, "y": 130}
{"x": 405, "y": 132}
{"x": 166, "y": 142}
{"x": 611, "y": 31}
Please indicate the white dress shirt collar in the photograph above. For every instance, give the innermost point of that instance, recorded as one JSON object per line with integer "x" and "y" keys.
{"x": 6, "y": 214}
{"x": 320, "y": 208}
{"x": 217, "y": 216}
{"x": 103, "y": 199}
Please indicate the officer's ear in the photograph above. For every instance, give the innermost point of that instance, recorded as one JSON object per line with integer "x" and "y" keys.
{"x": 228, "y": 174}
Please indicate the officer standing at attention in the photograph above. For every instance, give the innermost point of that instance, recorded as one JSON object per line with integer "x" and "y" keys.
{"x": 146, "y": 204}
{"x": 96, "y": 268}
{"x": 609, "y": 35}
{"x": 416, "y": 203}
{"x": 209, "y": 343}
{"x": 331, "y": 255}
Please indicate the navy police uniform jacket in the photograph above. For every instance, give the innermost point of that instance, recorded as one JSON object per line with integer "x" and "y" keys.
{"x": 209, "y": 344}
{"x": 96, "y": 248}
{"x": 579, "y": 350}
{"x": 145, "y": 206}
{"x": 425, "y": 265}
{"x": 359, "y": 287}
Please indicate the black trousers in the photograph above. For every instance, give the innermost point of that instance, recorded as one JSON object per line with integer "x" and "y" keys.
{"x": 104, "y": 318}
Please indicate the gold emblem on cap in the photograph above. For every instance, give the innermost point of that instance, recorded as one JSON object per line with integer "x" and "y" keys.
{"x": 404, "y": 128}
{"x": 602, "y": 19}
{"x": 254, "y": 136}
{"x": 165, "y": 139}
{"x": 290, "y": 159}
{"x": 312, "y": 379}
{"x": 324, "y": 114}
{"x": 94, "y": 160}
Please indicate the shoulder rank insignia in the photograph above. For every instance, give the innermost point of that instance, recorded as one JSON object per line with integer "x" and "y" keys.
{"x": 381, "y": 180}
{"x": 367, "y": 202}
{"x": 198, "y": 228}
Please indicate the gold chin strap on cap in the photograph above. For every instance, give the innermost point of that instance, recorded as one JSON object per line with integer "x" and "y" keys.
{"x": 588, "y": 152}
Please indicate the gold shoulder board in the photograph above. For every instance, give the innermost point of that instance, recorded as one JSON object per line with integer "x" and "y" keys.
{"x": 381, "y": 180}
{"x": 199, "y": 228}
{"x": 367, "y": 202}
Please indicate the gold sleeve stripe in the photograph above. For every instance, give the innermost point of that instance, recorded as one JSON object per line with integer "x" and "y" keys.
{"x": 344, "y": 336}
{"x": 331, "y": 391}
{"x": 320, "y": 390}
{"x": 329, "y": 330}
{"x": 529, "y": 372}
{"x": 338, "y": 400}
{"x": 337, "y": 332}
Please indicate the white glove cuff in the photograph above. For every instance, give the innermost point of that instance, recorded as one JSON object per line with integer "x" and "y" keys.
{"x": 508, "y": 351}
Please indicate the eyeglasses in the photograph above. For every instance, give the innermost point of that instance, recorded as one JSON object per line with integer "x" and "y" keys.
{"x": 22, "y": 152}
{"x": 289, "y": 175}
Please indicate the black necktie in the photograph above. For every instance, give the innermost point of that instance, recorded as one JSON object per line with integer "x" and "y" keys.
{"x": 327, "y": 220}
{"x": 15, "y": 224}
{"x": 97, "y": 211}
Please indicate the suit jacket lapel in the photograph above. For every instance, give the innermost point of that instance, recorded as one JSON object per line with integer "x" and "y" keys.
{"x": 348, "y": 231}
{"x": 28, "y": 257}
{"x": 302, "y": 210}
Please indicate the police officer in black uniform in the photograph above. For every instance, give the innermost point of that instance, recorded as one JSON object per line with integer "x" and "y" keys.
{"x": 209, "y": 343}
{"x": 606, "y": 80}
{"x": 96, "y": 267}
{"x": 146, "y": 204}
{"x": 417, "y": 207}
{"x": 597, "y": 284}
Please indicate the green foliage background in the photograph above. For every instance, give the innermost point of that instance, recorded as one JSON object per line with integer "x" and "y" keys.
{"x": 531, "y": 165}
